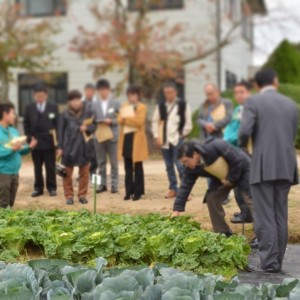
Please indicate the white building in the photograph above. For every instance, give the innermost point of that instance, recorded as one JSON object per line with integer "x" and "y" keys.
{"x": 223, "y": 67}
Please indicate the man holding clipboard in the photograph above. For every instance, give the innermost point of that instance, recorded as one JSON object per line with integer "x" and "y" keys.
{"x": 226, "y": 166}
{"x": 215, "y": 114}
{"x": 106, "y": 109}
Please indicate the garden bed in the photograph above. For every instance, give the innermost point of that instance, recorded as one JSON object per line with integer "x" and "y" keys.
{"x": 123, "y": 240}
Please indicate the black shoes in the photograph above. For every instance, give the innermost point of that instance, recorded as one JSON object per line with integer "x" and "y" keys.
{"x": 101, "y": 189}
{"x": 238, "y": 219}
{"x": 83, "y": 201}
{"x": 136, "y": 198}
{"x": 133, "y": 197}
{"x": 36, "y": 194}
{"x": 69, "y": 201}
{"x": 229, "y": 233}
{"x": 254, "y": 244}
{"x": 52, "y": 193}
{"x": 274, "y": 268}
{"x": 114, "y": 190}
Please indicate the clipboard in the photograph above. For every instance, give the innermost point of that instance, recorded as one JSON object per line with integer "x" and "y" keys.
{"x": 103, "y": 133}
{"x": 219, "y": 113}
{"x": 218, "y": 169}
{"x": 161, "y": 131}
{"x": 250, "y": 146}
{"x": 20, "y": 139}
{"x": 54, "y": 135}
{"x": 127, "y": 111}
{"x": 87, "y": 122}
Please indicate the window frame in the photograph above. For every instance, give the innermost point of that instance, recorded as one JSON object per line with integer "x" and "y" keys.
{"x": 52, "y": 86}
{"x": 152, "y": 7}
{"x": 55, "y": 5}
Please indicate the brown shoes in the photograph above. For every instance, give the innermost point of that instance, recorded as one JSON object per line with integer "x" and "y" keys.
{"x": 171, "y": 194}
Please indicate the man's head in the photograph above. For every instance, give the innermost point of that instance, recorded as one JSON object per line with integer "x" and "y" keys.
{"x": 266, "y": 77}
{"x": 103, "y": 88}
{"x": 242, "y": 91}
{"x": 212, "y": 93}
{"x": 40, "y": 93}
{"x": 89, "y": 91}
{"x": 74, "y": 100}
{"x": 170, "y": 91}
{"x": 134, "y": 94}
{"x": 7, "y": 114}
{"x": 188, "y": 155}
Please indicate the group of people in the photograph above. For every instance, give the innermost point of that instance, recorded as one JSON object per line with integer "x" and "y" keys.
{"x": 256, "y": 157}
{"x": 249, "y": 150}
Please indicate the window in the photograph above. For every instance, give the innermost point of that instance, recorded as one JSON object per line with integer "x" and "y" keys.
{"x": 157, "y": 4}
{"x": 57, "y": 88}
{"x": 231, "y": 80}
{"x": 38, "y": 8}
{"x": 232, "y": 9}
{"x": 247, "y": 28}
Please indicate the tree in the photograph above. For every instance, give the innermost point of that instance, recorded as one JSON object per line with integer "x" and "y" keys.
{"x": 147, "y": 52}
{"x": 285, "y": 60}
{"x": 24, "y": 44}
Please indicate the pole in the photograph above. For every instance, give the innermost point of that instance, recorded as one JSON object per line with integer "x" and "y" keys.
{"x": 219, "y": 37}
{"x": 95, "y": 196}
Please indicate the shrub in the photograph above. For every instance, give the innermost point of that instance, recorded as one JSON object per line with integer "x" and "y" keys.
{"x": 285, "y": 60}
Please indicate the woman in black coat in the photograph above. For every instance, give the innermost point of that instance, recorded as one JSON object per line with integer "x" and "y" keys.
{"x": 75, "y": 128}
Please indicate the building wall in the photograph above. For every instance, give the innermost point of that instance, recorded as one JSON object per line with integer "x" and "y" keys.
{"x": 197, "y": 17}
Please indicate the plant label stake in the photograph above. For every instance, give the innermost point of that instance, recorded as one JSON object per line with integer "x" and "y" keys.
{"x": 96, "y": 181}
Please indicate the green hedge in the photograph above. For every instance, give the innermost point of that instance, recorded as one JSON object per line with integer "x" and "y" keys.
{"x": 290, "y": 90}
{"x": 285, "y": 60}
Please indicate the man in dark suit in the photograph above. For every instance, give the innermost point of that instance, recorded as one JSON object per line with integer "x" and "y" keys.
{"x": 41, "y": 122}
{"x": 270, "y": 120}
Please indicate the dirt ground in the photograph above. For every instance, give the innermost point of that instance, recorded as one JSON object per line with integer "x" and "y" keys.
{"x": 153, "y": 201}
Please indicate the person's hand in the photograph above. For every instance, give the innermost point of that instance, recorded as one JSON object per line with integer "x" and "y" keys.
{"x": 108, "y": 121}
{"x": 83, "y": 128}
{"x": 59, "y": 153}
{"x": 158, "y": 142}
{"x": 17, "y": 146}
{"x": 210, "y": 128}
{"x": 33, "y": 143}
{"x": 175, "y": 214}
{"x": 227, "y": 183}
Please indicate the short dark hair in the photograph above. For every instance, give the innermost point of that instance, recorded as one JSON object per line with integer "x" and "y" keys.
{"x": 103, "y": 84}
{"x": 5, "y": 108}
{"x": 170, "y": 84}
{"x": 40, "y": 87}
{"x": 74, "y": 94}
{"x": 134, "y": 90}
{"x": 265, "y": 77}
{"x": 90, "y": 86}
{"x": 246, "y": 84}
{"x": 187, "y": 149}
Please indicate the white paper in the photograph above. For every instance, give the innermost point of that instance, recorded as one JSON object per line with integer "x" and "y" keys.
{"x": 96, "y": 179}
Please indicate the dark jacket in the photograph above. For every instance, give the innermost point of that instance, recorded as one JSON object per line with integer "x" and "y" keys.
{"x": 271, "y": 120}
{"x": 76, "y": 152}
{"x": 38, "y": 125}
{"x": 210, "y": 151}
